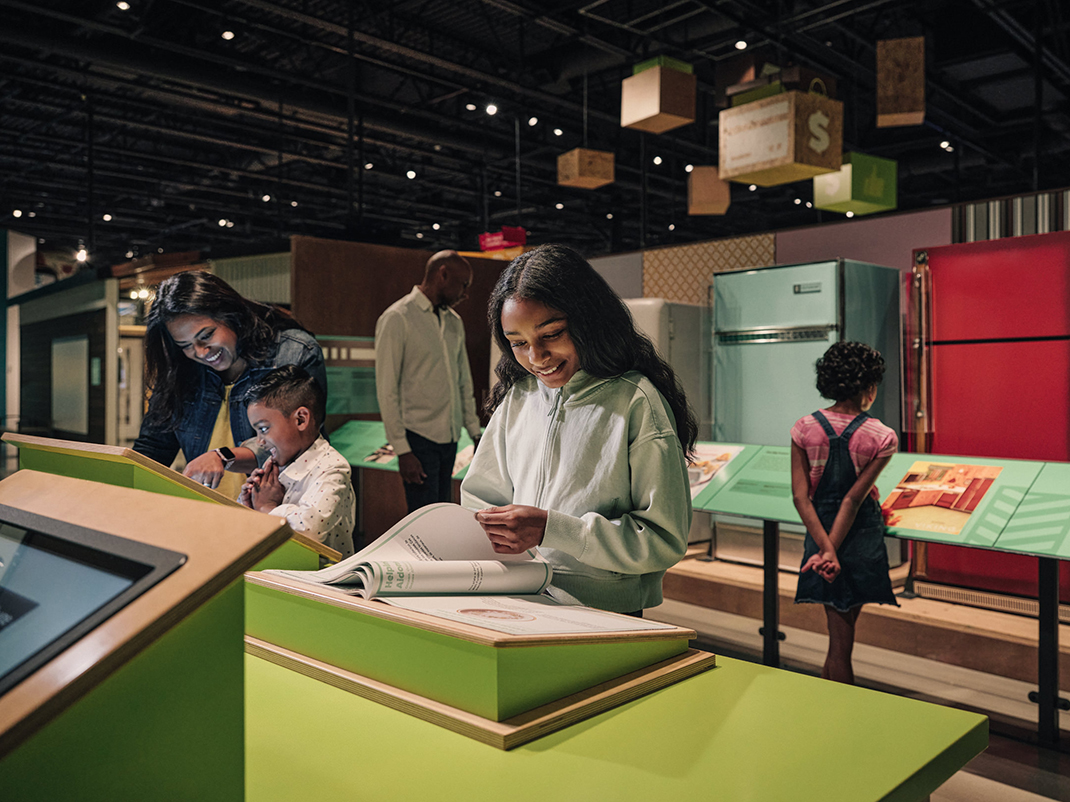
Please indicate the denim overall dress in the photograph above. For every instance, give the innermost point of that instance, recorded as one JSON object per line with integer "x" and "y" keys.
{"x": 863, "y": 558}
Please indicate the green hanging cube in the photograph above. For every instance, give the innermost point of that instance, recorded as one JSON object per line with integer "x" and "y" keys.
{"x": 863, "y": 185}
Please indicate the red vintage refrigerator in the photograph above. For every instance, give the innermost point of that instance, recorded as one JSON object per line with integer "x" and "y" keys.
{"x": 988, "y": 375}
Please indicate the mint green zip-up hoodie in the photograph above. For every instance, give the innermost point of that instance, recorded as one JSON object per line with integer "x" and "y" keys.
{"x": 602, "y": 457}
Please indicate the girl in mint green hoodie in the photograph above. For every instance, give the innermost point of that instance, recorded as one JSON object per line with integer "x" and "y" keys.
{"x": 585, "y": 453}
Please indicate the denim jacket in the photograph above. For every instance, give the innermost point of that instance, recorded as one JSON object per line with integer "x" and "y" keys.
{"x": 292, "y": 347}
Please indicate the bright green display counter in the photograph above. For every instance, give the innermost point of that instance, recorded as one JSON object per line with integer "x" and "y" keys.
{"x": 737, "y": 732}
{"x": 726, "y": 473}
{"x": 1041, "y": 524}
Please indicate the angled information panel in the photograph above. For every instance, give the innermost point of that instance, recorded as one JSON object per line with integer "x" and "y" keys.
{"x": 714, "y": 466}
{"x": 1041, "y": 524}
{"x": 363, "y": 443}
{"x": 962, "y": 501}
{"x": 124, "y": 467}
{"x": 760, "y": 488}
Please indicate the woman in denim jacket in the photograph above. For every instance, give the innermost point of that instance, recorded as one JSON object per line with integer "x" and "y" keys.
{"x": 205, "y": 345}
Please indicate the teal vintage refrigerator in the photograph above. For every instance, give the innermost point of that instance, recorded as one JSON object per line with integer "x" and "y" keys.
{"x": 770, "y": 325}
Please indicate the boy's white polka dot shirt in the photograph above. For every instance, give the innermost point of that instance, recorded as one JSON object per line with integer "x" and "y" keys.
{"x": 319, "y": 501}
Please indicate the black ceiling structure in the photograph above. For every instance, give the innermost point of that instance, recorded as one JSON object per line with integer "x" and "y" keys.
{"x": 229, "y": 125}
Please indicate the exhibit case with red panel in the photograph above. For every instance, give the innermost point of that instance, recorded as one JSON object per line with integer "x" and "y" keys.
{"x": 987, "y": 374}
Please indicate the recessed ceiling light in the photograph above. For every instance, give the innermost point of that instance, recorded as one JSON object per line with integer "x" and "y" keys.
{"x": 850, "y": 214}
{"x": 497, "y": 193}
{"x": 265, "y": 198}
{"x": 410, "y": 174}
{"x": 672, "y": 226}
{"x": 228, "y": 35}
{"x": 33, "y": 214}
{"x": 293, "y": 203}
{"x": 609, "y": 216}
{"x": 435, "y": 226}
{"x": 82, "y": 255}
{"x": 688, "y": 168}
{"x": 492, "y": 109}
{"x": 17, "y": 213}
{"x": 222, "y": 222}
{"x": 798, "y": 201}
{"x": 471, "y": 106}
{"x": 945, "y": 144}
{"x": 129, "y": 254}
{"x": 230, "y": 224}
{"x": 741, "y": 45}
{"x": 533, "y": 121}
{"x": 368, "y": 165}
{"x": 559, "y": 206}
{"x": 133, "y": 293}
{"x": 752, "y": 187}
{"x": 657, "y": 160}
{"x": 419, "y": 235}
{"x": 122, "y": 5}
{"x": 558, "y": 132}
{"x": 106, "y": 218}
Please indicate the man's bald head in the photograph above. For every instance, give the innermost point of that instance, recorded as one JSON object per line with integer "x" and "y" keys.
{"x": 446, "y": 278}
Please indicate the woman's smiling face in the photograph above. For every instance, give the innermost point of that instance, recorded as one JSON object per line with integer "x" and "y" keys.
{"x": 209, "y": 342}
{"x": 539, "y": 338}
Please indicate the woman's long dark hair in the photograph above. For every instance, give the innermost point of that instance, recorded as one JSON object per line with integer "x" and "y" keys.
{"x": 170, "y": 376}
{"x": 599, "y": 324}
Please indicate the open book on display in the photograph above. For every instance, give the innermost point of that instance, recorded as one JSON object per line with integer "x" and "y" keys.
{"x": 437, "y": 550}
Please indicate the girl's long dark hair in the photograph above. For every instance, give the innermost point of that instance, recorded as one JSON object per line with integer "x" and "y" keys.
{"x": 599, "y": 324}
{"x": 170, "y": 376}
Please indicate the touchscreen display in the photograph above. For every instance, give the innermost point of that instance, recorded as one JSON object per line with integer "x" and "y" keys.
{"x": 48, "y": 587}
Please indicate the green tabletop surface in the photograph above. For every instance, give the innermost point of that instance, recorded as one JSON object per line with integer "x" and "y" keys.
{"x": 738, "y": 732}
{"x": 760, "y": 488}
{"x": 1041, "y": 524}
{"x": 740, "y": 456}
{"x": 358, "y": 439}
{"x": 949, "y": 480}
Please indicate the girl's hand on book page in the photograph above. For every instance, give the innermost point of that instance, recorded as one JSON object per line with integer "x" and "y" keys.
{"x": 513, "y": 529}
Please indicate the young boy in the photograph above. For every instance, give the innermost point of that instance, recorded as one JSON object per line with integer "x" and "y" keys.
{"x": 304, "y": 480}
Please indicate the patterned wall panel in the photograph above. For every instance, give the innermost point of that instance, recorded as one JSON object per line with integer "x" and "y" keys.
{"x": 265, "y": 277}
{"x": 683, "y": 273}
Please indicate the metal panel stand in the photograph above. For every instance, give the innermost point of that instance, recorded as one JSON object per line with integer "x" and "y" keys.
{"x": 771, "y": 594}
{"x": 1048, "y": 652}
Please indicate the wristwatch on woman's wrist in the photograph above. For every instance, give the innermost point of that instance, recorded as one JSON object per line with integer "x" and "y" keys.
{"x": 228, "y": 457}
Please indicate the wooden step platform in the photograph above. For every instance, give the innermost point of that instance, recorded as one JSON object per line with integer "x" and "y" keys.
{"x": 997, "y": 643}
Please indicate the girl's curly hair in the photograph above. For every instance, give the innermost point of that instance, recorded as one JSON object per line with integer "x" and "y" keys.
{"x": 848, "y": 368}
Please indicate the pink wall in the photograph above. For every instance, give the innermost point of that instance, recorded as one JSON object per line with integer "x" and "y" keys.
{"x": 889, "y": 240}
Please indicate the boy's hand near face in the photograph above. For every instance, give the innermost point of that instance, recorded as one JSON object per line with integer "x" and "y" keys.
{"x": 265, "y": 489}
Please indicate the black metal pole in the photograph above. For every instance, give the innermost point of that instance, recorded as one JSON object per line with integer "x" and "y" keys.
{"x": 771, "y": 594}
{"x": 1048, "y": 652}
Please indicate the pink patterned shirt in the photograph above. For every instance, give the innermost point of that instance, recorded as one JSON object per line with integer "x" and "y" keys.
{"x": 872, "y": 440}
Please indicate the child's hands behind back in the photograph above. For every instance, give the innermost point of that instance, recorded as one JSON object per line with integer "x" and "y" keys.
{"x": 825, "y": 564}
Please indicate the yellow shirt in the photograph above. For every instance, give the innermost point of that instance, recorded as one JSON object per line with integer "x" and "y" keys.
{"x": 230, "y": 484}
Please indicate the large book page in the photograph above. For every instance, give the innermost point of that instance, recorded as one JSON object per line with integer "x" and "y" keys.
{"x": 524, "y": 615}
{"x": 438, "y": 549}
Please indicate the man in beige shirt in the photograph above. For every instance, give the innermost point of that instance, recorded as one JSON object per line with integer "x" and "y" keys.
{"x": 423, "y": 380}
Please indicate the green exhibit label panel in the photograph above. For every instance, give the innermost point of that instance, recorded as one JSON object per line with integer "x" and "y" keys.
{"x": 963, "y": 501}
{"x": 714, "y": 466}
{"x": 760, "y": 489}
{"x": 1041, "y": 524}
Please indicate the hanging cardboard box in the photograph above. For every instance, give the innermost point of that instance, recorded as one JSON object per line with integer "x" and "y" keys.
{"x": 587, "y": 169}
{"x": 706, "y": 192}
{"x": 863, "y": 185}
{"x": 901, "y": 82}
{"x": 658, "y": 98}
{"x": 781, "y": 139}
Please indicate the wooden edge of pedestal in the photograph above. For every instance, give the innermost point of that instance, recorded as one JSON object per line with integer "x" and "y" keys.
{"x": 455, "y": 629}
{"x": 506, "y": 734}
{"x": 121, "y": 452}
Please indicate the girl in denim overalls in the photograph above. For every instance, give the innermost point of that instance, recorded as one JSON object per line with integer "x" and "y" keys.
{"x": 845, "y": 564}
